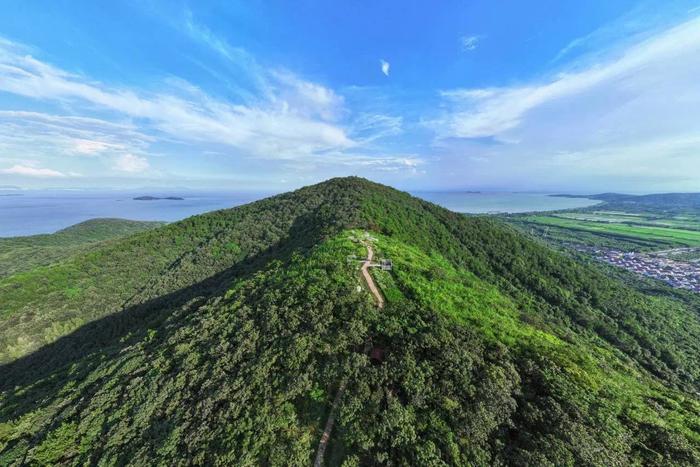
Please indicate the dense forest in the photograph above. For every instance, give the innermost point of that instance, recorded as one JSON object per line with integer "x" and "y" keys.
{"x": 223, "y": 339}
{"x": 19, "y": 254}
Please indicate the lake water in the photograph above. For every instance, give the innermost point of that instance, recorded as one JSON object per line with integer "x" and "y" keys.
{"x": 35, "y": 212}
{"x": 493, "y": 203}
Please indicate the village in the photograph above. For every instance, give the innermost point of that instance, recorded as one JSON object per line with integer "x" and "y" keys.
{"x": 679, "y": 274}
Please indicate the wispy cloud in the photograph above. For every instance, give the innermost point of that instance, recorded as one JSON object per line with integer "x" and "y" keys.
{"x": 309, "y": 99}
{"x": 294, "y": 118}
{"x": 406, "y": 163}
{"x": 491, "y": 112}
{"x": 371, "y": 127}
{"x": 30, "y": 171}
{"x": 300, "y": 123}
{"x": 595, "y": 117}
{"x": 251, "y": 77}
{"x": 131, "y": 163}
{"x": 203, "y": 34}
{"x": 339, "y": 162}
{"x": 384, "y": 66}
{"x": 573, "y": 45}
{"x": 470, "y": 43}
{"x": 36, "y": 134}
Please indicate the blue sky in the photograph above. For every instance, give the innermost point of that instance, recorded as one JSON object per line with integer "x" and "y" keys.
{"x": 541, "y": 96}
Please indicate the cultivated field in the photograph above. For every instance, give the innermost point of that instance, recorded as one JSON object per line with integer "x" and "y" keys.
{"x": 670, "y": 231}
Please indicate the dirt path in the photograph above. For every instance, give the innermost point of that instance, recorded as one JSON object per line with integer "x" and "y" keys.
{"x": 323, "y": 444}
{"x": 329, "y": 427}
{"x": 368, "y": 277}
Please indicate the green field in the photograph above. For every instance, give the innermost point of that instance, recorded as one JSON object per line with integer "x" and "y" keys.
{"x": 641, "y": 219}
{"x": 664, "y": 236}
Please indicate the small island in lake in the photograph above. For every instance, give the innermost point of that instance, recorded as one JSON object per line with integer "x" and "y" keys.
{"x": 154, "y": 198}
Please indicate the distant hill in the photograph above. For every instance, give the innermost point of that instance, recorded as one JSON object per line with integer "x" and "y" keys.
{"x": 676, "y": 202}
{"x": 19, "y": 254}
{"x": 223, "y": 339}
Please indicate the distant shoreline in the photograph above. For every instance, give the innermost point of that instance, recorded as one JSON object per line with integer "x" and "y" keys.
{"x": 156, "y": 198}
{"x": 564, "y": 195}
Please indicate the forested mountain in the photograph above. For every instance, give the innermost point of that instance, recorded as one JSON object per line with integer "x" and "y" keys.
{"x": 19, "y": 254}
{"x": 664, "y": 202}
{"x": 224, "y": 338}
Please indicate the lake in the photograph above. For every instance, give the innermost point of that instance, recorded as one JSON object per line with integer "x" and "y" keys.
{"x": 44, "y": 211}
{"x": 35, "y": 212}
{"x": 494, "y": 203}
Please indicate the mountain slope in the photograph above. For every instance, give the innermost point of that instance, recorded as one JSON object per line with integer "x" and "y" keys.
{"x": 18, "y": 254}
{"x": 490, "y": 350}
{"x": 43, "y": 303}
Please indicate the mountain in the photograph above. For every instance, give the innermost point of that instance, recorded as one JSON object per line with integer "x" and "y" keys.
{"x": 233, "y": 337}
{"x": 667, "y": 202}
{"x": 19, "y": 254}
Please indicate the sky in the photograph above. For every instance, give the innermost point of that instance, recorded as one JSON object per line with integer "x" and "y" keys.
{"x": 553, "y": 95}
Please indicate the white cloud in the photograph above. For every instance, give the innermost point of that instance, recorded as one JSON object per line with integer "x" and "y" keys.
{"x": 131, "y": 163}
{"x": 632, "y": 119}
{"x": 203, "y": 34}
{"x": 273, "y": 115}
{"x": 573, "y": 45}
{"x": 309, "y": 99}
{"x": 388, "y": 163}
{"x": 493, "y": 111}
{"x": 293, "y": 117}
{"x": 30, "y": 171}
{"x": 369, "y": 165}
{"x": 371, "y": 127}
{"x": 243, "y": 65}
{"x": 470, "y": 43}
{"x": 385, "y": 67}
{"x": 44, "y": 136}
{"x": 89, "y": 147}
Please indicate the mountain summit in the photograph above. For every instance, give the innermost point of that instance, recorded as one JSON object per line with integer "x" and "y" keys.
{"x": 234, "y": 336}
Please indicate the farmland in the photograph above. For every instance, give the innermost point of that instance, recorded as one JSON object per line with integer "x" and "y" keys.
{"x": 663, "y": 232}
{"x": 656, "y": 240}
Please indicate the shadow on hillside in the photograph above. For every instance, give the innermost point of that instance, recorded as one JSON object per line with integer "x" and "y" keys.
{"x": 75, "y": 355}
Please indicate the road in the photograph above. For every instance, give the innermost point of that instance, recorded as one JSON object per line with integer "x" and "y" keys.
{"x": 368, "y": 277}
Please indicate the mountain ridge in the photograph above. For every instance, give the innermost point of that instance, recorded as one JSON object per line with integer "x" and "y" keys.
{"x": 496, "y": 350}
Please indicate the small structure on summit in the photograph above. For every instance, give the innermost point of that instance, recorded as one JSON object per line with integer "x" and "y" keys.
{"x": 386, "y": 264}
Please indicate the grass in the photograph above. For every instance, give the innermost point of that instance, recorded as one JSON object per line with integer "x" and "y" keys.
{"x": 665, "y": 235}
{"x": 640, "y": 219}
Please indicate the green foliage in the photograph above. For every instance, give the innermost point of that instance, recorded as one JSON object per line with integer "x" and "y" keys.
{"x": 624, "y": 222}
{"x": 18, "y": 254}
{"x": 158, "y": 263}
{"x": 663, "y": 236}
{"x": 223, "y": 339}
{"x": 58, "y": 447}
